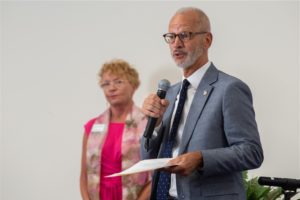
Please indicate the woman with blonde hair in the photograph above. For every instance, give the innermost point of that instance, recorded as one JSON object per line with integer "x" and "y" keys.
{"x": 111, "y": 141}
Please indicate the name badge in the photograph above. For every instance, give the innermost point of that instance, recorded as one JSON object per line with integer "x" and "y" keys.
{"x": 98, "y": 128}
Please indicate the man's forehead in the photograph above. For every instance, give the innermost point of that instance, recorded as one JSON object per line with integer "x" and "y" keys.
{"x": 180, "y": 27}
{"x": 181, "y": 20}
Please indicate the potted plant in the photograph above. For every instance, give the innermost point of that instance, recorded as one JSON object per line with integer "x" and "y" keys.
{"x": 255, "y": 191}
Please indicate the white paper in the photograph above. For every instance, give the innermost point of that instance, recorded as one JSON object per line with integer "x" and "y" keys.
{"x": 144, "y": 165}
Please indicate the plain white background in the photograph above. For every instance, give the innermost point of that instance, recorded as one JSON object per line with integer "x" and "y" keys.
{"x": 51, "y": 53}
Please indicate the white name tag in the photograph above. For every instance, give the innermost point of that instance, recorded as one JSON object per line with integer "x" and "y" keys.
{"x": 98, "y": 128}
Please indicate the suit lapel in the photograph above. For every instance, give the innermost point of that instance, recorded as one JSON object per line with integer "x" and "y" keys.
{"x": 171, "y": 96}
{"x": 201, "y": 96}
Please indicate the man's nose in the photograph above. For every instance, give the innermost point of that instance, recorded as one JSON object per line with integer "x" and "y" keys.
{"x": 178, "y": 43}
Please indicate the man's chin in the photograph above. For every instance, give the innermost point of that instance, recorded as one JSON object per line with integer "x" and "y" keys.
{"x": 182, "y": 65}
{"x": 186, "y": 63}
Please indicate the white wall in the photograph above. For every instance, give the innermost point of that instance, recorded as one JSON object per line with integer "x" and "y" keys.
{"x": 52, "y": 52}
{"x": 1, "y": 110}
{"x": 299, "y": 81}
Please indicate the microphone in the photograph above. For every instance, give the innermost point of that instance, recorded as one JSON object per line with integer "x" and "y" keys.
{"x": 163, "y": 86}
{"x": 284, "y": 183}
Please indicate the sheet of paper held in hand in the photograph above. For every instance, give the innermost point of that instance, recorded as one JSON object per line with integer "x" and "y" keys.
{"x": 144, "y": 165}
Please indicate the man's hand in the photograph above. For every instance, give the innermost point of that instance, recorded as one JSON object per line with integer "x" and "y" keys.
{"x": 155, "y": 107}
{"x": 186, "y": 163}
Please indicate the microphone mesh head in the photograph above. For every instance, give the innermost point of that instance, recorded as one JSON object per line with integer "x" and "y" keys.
{"x": 164, "y": 84}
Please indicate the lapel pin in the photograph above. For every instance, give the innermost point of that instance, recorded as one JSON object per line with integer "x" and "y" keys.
{"x": 204, "y": 93}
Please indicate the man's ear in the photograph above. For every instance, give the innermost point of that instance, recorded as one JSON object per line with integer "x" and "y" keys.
{"x": 208, "y": 40}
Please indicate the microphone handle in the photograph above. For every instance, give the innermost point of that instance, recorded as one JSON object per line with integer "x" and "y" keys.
{"x": 151, "y": 120}
{"x": 161, "y": 93}
{"x": 150, "y": 127}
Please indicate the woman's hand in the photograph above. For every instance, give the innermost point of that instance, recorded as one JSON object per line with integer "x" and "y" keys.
{"x": 145, "y": 192}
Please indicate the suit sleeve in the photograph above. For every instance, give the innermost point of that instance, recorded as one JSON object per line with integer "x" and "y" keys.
{"x": 154, "y": 144}
{"x": 244, "y": 149}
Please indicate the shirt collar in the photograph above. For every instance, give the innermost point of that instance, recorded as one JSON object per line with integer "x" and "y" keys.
{"x": 197, "y": 76}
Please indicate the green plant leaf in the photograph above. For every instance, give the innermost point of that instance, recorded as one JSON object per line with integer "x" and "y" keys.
{"x": 274, "y": 194}
{"x": 255, "y": 191}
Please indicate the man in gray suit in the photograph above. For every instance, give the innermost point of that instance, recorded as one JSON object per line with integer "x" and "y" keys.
{"x": 214, "y": 136}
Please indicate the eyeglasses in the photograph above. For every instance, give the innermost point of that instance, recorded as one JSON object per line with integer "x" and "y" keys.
{"x": 183, "y": 36}
{"x": 116, "y": 83}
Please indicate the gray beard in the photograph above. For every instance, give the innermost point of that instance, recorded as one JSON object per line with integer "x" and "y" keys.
{"x": 191, "y": 59}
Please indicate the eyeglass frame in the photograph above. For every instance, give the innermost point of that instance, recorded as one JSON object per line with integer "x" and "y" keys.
{"x": 116, "y": 83}
{"x": 179, "y": 35}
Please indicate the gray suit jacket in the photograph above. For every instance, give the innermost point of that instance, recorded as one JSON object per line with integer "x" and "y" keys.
{"x": 221, "y": 124}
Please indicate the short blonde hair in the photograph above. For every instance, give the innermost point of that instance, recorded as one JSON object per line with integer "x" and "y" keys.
{"x": 120, "y": 68}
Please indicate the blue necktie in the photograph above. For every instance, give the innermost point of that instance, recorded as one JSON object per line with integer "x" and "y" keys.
{"x": 163, "y": 184}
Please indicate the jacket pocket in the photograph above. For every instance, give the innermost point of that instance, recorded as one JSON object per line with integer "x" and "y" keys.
{"x": 220, "y": 189}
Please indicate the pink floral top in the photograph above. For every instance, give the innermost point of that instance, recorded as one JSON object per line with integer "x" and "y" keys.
{"x": 120, "y": 142}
